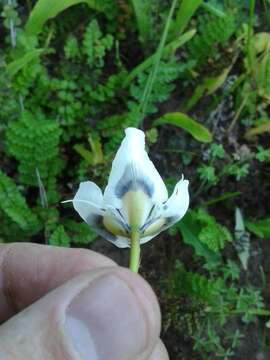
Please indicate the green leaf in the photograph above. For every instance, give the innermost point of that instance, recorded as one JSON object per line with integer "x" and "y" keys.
{"x": 260, "y": 42}
{"x": 184, "y": 14}
{"x": 211, "y": 84}
{"x": 262, "y": 75}
{"x": 260, "y": 228}
{"x": 258, "y": 130}
{"x": 188, "y": 227}
{"x": 212, "y": 234}
{"x": 96, "y": 147}
{"x": 59, "y": 237}
{"x": 85, "y": 154}
{"x": 16, "y": 65}
{"x": 48, "y": 9}
{"x": 141, "y": 9}
{"x": 223, "y": 197}
{"x": 208, "y": 86}
{"x": 80, "y": 233}
{"x": 13, "y": 204}
{"x": 215, "y": 10}
{"x": 195, "y": 129}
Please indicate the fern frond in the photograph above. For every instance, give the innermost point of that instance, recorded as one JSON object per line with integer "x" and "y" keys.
{"x": 212, "y": 234}
{"x": 80, "y": 233}
{"x": 112, "y": 127}
{"x": 213, "y": 31}
{"x": 95, "y": 44}
{"x": 33, "y": 141}
{"x": 14, "y": 205}
{"x": 183, "y": 282}
{"x": 59, "y": 237}
{"x": 167, "y": 73}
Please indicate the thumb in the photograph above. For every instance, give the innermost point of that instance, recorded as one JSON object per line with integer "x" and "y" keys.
{"x": 109, "y": 313}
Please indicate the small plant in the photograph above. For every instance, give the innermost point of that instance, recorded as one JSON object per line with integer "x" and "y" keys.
{"x": 214, "y": 302}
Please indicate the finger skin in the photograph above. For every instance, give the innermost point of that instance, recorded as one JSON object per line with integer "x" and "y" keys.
{"x": 29, "y": 271}
{"x": 38, "y": 331}
{"x": 160, "y": 352}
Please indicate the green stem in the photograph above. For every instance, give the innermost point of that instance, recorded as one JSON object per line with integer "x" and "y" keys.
{"x": 249, "y": 35}
{"x": 213, "y": 10}
{"x": 134, "y": 251}
{"x": 152, "y": 76}
{"x": 257, "y": 312}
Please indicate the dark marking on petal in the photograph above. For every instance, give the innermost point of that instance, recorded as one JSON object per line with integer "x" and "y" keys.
{"x": 150, "y": 212}
{"x": 148, "y": 220}
{"x": 169, "y": 221}
{"x": 123, "y": 223}
{"x": 133, "y": 179}
{"x": 96, "y": 221}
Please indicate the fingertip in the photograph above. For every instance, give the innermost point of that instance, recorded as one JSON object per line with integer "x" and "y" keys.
{"x": 120, "y": 311}
{"x": 149, "y": 305}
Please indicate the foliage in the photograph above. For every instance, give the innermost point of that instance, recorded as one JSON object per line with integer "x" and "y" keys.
{"x": 213, "y": 304}
{"x": 167, "y": 73}
{"x": 260, "y": 227}
{"x": 59, "y": 237}
{"x": 95, "y": 45}
{"x": 13, "y": 204}
{"x": 45, "y": 10}
{"x": 213, "y": 32}
{"x": 142, "y": 13}
{"x": 204, "y": 234}
{"x": 198, "y": 131}
{"x": 33, "y": 141}
{"x": 212, "y": 234}
{"x": 186, "y": 10}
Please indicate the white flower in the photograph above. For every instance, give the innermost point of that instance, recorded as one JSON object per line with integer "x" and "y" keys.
{"x": 135, "y": 199}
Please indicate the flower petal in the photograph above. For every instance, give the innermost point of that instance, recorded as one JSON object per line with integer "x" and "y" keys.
{"x": 88, "y": 202}
{"x": 176, "y": 206}
{"x": 97, "y": 223}
{"x": 133, "y": 170}
{"x": 168, "y": 214}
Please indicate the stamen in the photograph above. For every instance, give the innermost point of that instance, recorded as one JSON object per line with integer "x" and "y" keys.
{"x": 149, "y": 220}
{"x": 122, "y": 221}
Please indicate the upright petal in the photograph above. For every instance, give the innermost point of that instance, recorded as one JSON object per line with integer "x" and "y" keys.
{"x": 169, "y": 213}
{"x": 133, "y": 171}
{"x": 176, "y": 206}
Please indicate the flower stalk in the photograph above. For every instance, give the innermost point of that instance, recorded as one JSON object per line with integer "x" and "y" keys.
{"x": 134, "y": 261}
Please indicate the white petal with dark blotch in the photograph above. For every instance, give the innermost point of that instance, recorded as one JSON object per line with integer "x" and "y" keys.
{"x": 169, "y": 213}
{"x": 88, "y": 202}
{"x": 176, "y": 206}
{"x": 132, "y": 169}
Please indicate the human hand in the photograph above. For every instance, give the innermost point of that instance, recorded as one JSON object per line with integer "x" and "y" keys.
{"x": 74, "y": 304}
